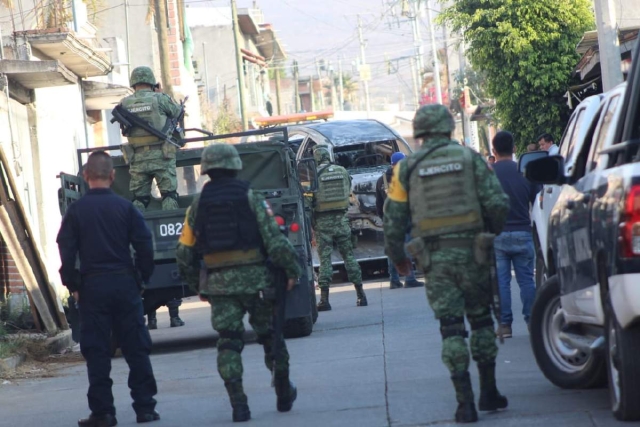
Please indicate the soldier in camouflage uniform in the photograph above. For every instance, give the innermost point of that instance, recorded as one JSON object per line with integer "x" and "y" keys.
{"x": 451, "y": 197}
{"x": 152, "y": 158}
{"x": 330, "y": 223}
{"x": 232, "y": 230}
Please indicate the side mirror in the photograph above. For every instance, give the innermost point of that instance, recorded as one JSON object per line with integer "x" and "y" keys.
{"x": 308, "y": 175}
{"x": 529, "y": 157}
{"x": 547, "y": 170}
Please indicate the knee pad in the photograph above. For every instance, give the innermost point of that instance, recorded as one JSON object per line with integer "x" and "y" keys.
{"x": 171, "y": 194}
{"x": 452, "y": 327}
{"x": 481, "y": 322}
{"x": 145, "y": 200}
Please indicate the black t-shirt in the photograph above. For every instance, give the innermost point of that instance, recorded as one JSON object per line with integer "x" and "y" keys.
{"x": 521, "y": 194}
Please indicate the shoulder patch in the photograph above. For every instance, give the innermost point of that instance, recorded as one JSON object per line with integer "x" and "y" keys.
{"x": 396, "y": 191}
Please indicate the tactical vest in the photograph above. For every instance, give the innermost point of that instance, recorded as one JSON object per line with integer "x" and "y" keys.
{"x": 144, "y": 104}
{"x": 442, "y": 191}
{"x": 226, "y": 228}
{"x": 333, "y": 189}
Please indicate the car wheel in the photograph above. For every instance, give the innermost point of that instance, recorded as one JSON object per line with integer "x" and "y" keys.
{"x": 623, "y": 367}
{"x": 563, "y": 365}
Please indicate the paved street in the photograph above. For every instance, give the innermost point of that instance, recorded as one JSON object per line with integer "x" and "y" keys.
{"x": 370, "y": 367}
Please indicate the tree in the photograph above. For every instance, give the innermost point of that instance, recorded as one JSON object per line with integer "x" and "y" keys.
{"x": 526, "y": 51}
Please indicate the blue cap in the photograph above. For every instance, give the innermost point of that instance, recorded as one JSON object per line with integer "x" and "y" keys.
{"x": 396, "y": 157}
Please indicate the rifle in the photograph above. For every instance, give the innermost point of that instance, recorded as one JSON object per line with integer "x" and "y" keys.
{"x": 129, "y": 120}
{"x": 486, "y": 247}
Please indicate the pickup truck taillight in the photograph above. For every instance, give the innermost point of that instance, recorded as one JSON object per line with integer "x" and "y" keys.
{"x": 631, "y": 226}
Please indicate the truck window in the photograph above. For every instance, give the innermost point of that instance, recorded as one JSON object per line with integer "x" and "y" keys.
{"x": 566, "y": 136}
{"x": 368, "y": 154}
{"x": 265, "y": 170}
{"x": 601, "y": 137}
{"x": 567, "y": 150}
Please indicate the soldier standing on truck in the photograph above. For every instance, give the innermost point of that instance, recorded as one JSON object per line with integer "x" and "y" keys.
{"x": 330, "y": 224}
{"x": 148, "y": 156}
{"x": 450, "y": 195}
{"x": 233, "y": 231}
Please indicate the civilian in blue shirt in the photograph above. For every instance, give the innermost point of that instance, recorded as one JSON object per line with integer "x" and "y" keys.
{"x": 514, "y": 246}
{"x": 99, "y": 230}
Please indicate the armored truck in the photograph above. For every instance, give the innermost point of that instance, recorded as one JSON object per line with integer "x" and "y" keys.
{"x": 269, "y": 165}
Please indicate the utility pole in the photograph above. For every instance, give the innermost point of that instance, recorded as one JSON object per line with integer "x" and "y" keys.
{"x": 418, "y": 62}
{"x": 321, "y": 94}
{"x": 218, "y": 90}
{"x": 445, "y": 37}
{"x": 414, "y": 80}
{"x": 239, "y": 65}
{"x": 608, "y": 44}
{"x": 160, "y": 11}
{"x": 334, "y": 95}
{"x": 466, "y": 126}
{"x": 206, "y": 72}
{"x": 278, "y": 101}
{"x": 341, "y": 95}
{"x": 364, "y": 62}
{"x": 296, "y": 85}
{"x": 126, "y": 32}
{"x": 434, "y": 49}
{"x": 312, "y": 93}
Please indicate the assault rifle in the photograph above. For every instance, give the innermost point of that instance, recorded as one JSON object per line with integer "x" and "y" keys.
{"x": 129, "y": 120}
{"x": 485, "y": 245}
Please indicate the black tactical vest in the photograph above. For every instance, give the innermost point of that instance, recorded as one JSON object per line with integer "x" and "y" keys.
{"x": 225, "y": 221}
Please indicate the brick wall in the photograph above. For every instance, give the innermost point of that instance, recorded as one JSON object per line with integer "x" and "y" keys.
{"x": 10, "y": 280}
{"x": 174, "y": 41}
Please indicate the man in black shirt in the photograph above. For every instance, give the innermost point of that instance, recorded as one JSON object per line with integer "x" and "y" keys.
{"x": 514, "y": 246}
{"x": 99, "y": 229}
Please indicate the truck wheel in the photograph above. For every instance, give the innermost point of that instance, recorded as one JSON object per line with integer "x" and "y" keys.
{"x": 623, "y": 366}
{"x": 564, "y": 366}
{"x": 314, "y": 304}
{"x": 298, "y": 327}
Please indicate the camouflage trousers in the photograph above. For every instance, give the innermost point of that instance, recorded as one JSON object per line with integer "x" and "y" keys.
{"x": 147, "y": 166}
{"x": 330, "y": 228}
{"x": 456, "y": 286}
{"x": 227, "y": 312}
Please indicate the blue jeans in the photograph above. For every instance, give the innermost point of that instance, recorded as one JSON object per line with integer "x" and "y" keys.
{"x": 515, "y": 248}
{"x": 393, "y": 272}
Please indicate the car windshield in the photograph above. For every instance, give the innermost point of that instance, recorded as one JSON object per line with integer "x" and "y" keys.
{"x": 370, "y": 154}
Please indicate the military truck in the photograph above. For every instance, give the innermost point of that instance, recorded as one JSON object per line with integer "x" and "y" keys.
{"x": 271, "y": 168}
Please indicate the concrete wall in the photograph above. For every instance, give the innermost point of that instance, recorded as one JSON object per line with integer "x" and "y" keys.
{"x": 627, "y": 13}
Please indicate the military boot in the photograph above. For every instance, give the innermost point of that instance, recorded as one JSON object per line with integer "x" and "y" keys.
{"x": 238, "y": 400}
{"x": 286, "y": 392}
{"x": 490, "y": 397}
{"x": 362, "y": 298}
{"x": 466, "y": 412}
{"x": 324, "y": 305}
{"x": 152, "y": 320}
{"x": 176, "y": 321}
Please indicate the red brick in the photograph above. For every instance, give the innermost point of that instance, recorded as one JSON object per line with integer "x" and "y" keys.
{"x": 173, "y": 56}
{"x": 176, "y": 81}
{"x": 175, "y": 65}
{"x": 171, "y": 38}
{"x": 171, "y": 6}
{"x": 175, "y": 73}
{"x": 172, "y": 15}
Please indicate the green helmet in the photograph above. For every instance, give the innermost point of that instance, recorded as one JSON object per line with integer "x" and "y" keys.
{"x": 142, "y": 75}
{"x": 433, "y": 119}
{"x": 321, "y": 154}
{"x": 220, "y": 156}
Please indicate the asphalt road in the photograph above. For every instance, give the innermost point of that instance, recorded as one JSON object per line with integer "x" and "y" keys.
{"x": 369, "y": 366}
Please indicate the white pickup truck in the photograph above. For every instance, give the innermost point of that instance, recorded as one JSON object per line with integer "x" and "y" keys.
{"x": 585, "y": 322}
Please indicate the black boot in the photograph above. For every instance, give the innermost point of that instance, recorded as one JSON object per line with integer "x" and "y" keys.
{"x": 286, "y": 392}
{"x": 466, "y": 412}
{"x": 106, "y": 420}
{"x": 362, "y": 298}
{"x": 324, "y": 305}
{"x": 147, "y": 417}
{"x": 152, "y": 320}
{"x": 174, "y": 311}
{"x": 490, "y": 397}
{"x": 176, "y": 322}
{"x": 238, "y": 400}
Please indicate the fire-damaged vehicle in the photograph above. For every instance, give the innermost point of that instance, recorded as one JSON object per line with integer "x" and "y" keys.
{"x": 364, "y": 149}
{"x": 270, "y": 166}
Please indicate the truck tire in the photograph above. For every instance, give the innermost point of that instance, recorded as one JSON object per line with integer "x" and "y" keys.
{"x": 298, "y": 327}
{"x": 623, "y": 366}
{"x": 314, "y": 304}
{"x": 564, "y": 366}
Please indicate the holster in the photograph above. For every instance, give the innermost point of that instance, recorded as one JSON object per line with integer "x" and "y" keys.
{"x": 168, "y": 150}
{"x": 127, "y": 153}
{"x": 483, "y": 248}
{"x": 417, "y": 249}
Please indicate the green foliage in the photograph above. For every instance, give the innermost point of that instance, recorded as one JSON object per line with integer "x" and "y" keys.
{"x": 226, "y": 121}
{"x": 526, "y": 51}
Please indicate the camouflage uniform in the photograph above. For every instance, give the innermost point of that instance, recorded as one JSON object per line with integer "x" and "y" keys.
{"x": 333, "y": 226}
{"x": 152, "y": 159}
{"x": 456, "y": 283}
{"x": 234, "y": 287}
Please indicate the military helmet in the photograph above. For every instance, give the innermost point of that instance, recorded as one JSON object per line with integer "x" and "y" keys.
{"x": 433, "y": 119}
{"x": 142, "y": 75}
{"x": 321, "y": 154}
{"x": 220, "y": 156}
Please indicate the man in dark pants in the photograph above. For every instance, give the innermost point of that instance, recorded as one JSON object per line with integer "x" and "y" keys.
{"x": 99, "y": 228}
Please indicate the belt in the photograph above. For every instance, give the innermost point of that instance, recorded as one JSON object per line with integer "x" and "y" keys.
{"x": 434, "y": 245}
{"x": 147, "y": 148}
{"x": 232, "y": 258}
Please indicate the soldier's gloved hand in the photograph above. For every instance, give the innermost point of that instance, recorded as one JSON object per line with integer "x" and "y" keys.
{"x": 404, "y": 268}
{"x": 291, "y": 283}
